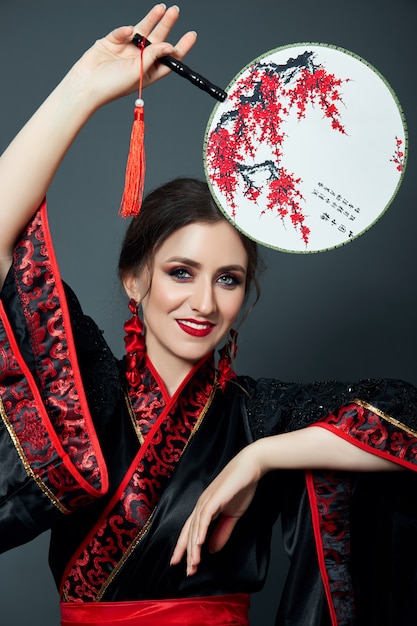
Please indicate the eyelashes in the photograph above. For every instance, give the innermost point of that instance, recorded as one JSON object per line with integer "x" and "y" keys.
{"x": 229, "y": 280}
{"x": 180, "y": 273}
{"x": 183, "y": 274}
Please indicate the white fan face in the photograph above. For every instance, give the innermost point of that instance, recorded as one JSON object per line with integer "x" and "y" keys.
{"x": 308, "y": 150}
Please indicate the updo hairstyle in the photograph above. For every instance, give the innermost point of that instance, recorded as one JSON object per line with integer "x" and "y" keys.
{"x": 168, "y": 208}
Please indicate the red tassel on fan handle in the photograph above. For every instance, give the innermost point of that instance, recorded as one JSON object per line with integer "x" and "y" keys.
{"x": 136, "y": 165}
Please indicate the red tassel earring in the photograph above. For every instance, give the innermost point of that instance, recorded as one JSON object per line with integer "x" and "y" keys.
{"x": 136, "y": 165}
{"x": 227, "y": 355}
{"x": 135, "y": 344}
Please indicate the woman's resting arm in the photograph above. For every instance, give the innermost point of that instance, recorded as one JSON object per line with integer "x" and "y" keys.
{"x": 230, "y": 494}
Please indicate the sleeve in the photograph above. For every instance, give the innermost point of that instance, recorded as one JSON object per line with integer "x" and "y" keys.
{"x": 377, "y": 415}
{"x": 380, "y": 418}
{"x": 51, "y": 461}
{"x": 350, "y": 536}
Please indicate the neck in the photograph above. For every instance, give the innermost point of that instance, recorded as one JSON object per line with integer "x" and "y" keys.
{"x": 171, "y": 372}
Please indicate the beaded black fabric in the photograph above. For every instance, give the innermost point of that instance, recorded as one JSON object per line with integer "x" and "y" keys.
{"x": 275, "y": 407}
{"x": 100, "y": 370}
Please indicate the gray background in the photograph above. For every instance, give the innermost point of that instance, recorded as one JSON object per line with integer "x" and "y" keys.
{"x": 343, "y": 314}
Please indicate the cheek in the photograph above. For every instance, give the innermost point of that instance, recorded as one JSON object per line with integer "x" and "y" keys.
{"x": 164, "y": 297}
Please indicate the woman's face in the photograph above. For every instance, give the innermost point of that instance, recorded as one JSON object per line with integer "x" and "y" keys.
{"x": 196, "y": 293}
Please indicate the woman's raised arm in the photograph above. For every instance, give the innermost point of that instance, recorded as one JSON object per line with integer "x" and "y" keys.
{"x": 108, "y": 70}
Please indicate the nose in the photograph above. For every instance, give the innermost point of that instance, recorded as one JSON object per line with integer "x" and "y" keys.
{"x": 202, "y": 299}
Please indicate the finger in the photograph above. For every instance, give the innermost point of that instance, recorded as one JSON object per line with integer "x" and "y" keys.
{"x": 198, "y": 530}
{"x": 121, "y": 34}
{"x": 185, "y": 44}
{"x": 157, "y": 24}
{"x": 155, "y": 70}
{"x": 193, "y": 562}
{"x": 147, "y": 24}
{"x": 201, "y": 521}
{"x": 181, "y": 545}
{"x": 163, "y": 27}
{"x": 222, "y": 532}
{"x": 186, "y": 544}
{"x": 193, "y": 545}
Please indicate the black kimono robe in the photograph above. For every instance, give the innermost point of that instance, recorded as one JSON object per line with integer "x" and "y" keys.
{"x": 115, "y": 471}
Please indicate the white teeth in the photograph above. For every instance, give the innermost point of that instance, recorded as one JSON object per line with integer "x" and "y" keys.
{"x": 194, "y": 324}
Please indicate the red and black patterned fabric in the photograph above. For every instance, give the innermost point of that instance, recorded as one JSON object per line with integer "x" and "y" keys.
{"x": 42, "y": 400}
{"x": 170, "y": 423}
{"x": 116, "y": 471}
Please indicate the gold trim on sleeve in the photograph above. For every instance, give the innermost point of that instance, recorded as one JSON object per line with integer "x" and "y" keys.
{"x": 384, "y": 416}
{"x": 26, "y": 464}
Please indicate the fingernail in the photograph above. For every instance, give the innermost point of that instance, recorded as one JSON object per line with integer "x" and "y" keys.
{"x": 175, "y": 6}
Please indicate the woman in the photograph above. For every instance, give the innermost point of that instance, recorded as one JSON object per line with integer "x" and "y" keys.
{"x": 134, "y": 465}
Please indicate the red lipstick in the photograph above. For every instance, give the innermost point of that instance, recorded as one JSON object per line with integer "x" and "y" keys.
{"x": 194, "y": 328}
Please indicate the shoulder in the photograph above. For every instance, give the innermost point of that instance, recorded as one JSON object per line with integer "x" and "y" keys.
{"x": 396, "y": 398}
{"x": 274, "y": 406}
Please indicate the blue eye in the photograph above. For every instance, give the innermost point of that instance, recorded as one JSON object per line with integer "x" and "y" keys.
{"x": 180, "y": 273}
{"x": 228, "y": 280}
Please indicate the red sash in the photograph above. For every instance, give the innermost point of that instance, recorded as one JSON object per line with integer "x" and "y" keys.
{"x": 229, "y": 610}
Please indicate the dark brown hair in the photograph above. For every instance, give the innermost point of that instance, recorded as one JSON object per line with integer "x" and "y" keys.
{"x": 168, "y": 208}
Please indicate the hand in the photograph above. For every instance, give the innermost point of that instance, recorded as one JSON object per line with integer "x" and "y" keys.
{"x": 111, "y": 67}
{"x": 230, "y": 494}
{"x": 225, "y": 499}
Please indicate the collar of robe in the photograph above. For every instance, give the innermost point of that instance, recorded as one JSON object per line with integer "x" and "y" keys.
{"x": 164, "y": 426}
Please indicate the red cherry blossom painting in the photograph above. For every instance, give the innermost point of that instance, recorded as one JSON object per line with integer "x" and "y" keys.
{"x": 308, "y": 150}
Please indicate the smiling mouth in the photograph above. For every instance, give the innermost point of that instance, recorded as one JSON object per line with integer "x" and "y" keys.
{"x": 197, "y": 329}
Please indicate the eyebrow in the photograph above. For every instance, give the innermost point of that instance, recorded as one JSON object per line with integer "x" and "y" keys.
{"x": 196, "y": 265}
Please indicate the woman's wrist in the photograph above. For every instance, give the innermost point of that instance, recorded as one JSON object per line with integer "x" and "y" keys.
{"x": 260, "y": 456}
{"x": 77, "y": 95}
{"x": 273, "y": 453}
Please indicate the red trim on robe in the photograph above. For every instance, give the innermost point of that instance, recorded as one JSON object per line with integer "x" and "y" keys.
{"x": 369, "y": 429}
{"x": 46, "y": 411}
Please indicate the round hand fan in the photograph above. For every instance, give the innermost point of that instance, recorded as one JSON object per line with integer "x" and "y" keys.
{"x": 308, "y": 150}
